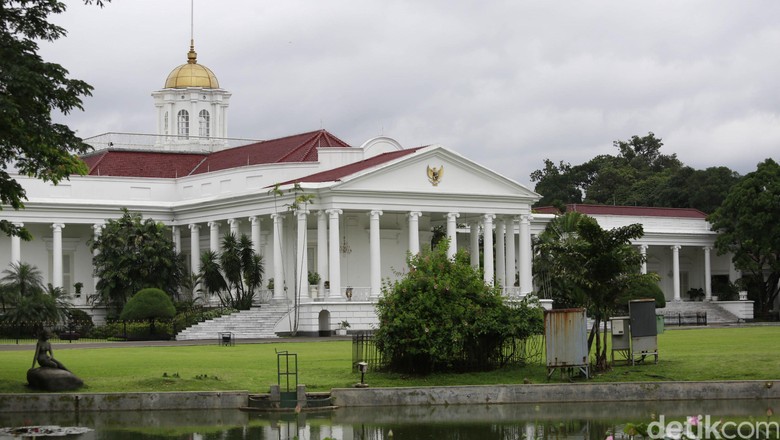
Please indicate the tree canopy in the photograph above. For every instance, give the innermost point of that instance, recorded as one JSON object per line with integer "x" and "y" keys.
{"x": 30, "y": 90}
{"x": 748, "y": 227}
{"x": 442, "y": 316}
{"x": 638, "y": 175}
{"x": 132, "y": 254}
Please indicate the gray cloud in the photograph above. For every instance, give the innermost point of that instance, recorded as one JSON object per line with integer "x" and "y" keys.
{"x": 505, "y": 83}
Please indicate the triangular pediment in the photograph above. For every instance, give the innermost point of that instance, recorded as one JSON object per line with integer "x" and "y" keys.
{"x": 434, "y": 170}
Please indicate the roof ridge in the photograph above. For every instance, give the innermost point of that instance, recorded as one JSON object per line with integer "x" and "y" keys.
{"x": 315, "y": 134}
{"x": 101, "y": 155}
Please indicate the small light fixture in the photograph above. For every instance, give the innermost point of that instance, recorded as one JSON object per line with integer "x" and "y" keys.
{"x": 362, "y": 367}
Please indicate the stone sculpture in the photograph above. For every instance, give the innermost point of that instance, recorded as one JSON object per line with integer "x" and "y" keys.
{"x": 51, "y": 375}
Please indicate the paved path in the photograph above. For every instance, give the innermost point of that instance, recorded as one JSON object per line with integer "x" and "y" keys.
{"x": 66, "y": 345}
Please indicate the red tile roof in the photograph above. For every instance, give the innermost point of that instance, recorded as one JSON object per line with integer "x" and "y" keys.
{"x": 297, "y": 148}
{"x": 130, "y": 163}
{"x": 637, "y": 211}
{"x": 167, "y": 164}
{"x": 339, "y": 173}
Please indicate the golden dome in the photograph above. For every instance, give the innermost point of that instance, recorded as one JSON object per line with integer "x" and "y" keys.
{"x": 191, "y": 74}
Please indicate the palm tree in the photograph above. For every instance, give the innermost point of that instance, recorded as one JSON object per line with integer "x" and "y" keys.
{"x": 235, "y": 274}
{"x": 26, "y": 300}
{"x": 22, "y": 278}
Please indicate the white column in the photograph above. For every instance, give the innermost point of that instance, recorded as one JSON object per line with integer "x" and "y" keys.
{"x": 707, "y": 274}
{"x": 509, "y": 243}
{"x": 452, "y": 233}
{"x": 16, "y": 246}
{"x": 234, "y": 226}
{"x": 474, "y": 246}
{"x": 526, "y": 255}
{"x": 375, "y": 253}
{"x": 97, "y": 229}
{"x": 500, "y": 256}
{"x": 676, "y": 271}
{"x": 643, "y": 251}
{"x": 278, "y": 263}
{"x": 214, "y": 236}
{"x": 487, "y": 242}
{"x": 518, "y": 253}
{"x": 302, "y": 269}
{"x": 254, "y": 221}
{"x": 195, "y": 249}
{"x": 334, "y": 260}
{"x": 414, "y": 232}
{"x": 57, "y": 254}
{"x": 322, "y": 250}
{"x": 176, "y": 235}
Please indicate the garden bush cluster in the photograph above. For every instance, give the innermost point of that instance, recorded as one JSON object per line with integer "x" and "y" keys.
{"x": 442, "y": 317}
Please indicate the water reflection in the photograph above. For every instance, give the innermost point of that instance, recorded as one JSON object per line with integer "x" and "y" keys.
{"x": 477, "y": 422}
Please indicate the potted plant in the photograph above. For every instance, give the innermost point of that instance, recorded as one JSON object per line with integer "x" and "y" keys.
{"x": 78, "y": 286}
{"x": 270, "y": 284}
{"x": 314, "y": 283}
{"x": 342, "y": 330}
{"x": 696, "y": 294}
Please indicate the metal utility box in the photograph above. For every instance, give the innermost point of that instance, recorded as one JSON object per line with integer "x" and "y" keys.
{"x": 644, "y": 329}
{"x": 566, "y": 340}
{"x": 621, "y": 337}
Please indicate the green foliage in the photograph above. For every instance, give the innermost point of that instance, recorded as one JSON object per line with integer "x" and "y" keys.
{"x": 134, "y": 254}
{"x": 748, "y": 227}
{"x": 25, "y": 299}
{"x": 148, "y": 304}
{"x": 234, "y": 275}
{"x": 442, "y": 316}
{"x": 32, "y": 90}
{"x": 586, "y": 266}
{"x": 314, "y": 278}
{"x": 645, "y": 287}
{"x": 638, "y": 175}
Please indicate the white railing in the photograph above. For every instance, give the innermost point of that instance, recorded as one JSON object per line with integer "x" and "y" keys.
{"x": 139, "y": 141}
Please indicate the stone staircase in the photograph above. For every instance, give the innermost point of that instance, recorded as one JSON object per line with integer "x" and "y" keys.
{"x": 255, "y": 323}
{"x": 715, "y": 314}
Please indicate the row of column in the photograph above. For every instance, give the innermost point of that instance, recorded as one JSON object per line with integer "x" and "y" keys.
{"x": 328, "y": 257}
{"x": 676, "y": 270}
{"x": 16, "y": 251}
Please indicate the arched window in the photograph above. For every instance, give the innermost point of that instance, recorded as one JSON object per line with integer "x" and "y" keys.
{"x": 203, "y": 123}
{"x": 165, "y": 128}
{"x": 183, "y": 121}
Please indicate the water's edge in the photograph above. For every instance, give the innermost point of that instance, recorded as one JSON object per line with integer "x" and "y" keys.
{"x": 426, "y": 396}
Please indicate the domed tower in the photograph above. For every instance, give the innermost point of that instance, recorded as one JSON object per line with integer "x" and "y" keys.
{"x": 192, "y": 108}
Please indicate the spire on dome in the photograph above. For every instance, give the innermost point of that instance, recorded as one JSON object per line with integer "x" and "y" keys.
{"x": 192, "y": 56}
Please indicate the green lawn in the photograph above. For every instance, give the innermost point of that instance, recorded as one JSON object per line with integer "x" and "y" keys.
{"x": 685, "y": 355}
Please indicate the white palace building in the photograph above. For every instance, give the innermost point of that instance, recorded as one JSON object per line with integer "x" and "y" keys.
{"x": 372, "y": 204}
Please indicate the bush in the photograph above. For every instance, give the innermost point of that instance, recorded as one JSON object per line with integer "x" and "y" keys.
{"x": 149, "y": 304}
{"x": 442, "y": 317}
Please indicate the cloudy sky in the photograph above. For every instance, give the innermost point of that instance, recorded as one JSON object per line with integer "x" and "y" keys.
{"x": 506, "y": 83}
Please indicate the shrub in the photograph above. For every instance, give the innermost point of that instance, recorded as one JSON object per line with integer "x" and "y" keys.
{"x": 148, "y": 304}
{"x": 442, "y": 317}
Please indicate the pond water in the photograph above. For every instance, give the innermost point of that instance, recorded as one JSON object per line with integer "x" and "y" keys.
{"x": 474, "y": 422}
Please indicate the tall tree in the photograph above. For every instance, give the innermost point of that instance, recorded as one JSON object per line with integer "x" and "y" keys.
{"x": 132, "y": 254}
{"x": 30, "y": 90}
{"x": 748, "y": 227}
{"x": 591, "y": 267}
{"x": 638, "y": 175}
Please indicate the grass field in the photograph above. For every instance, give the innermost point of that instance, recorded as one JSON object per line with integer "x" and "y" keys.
{"x": 734, "y": 353}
